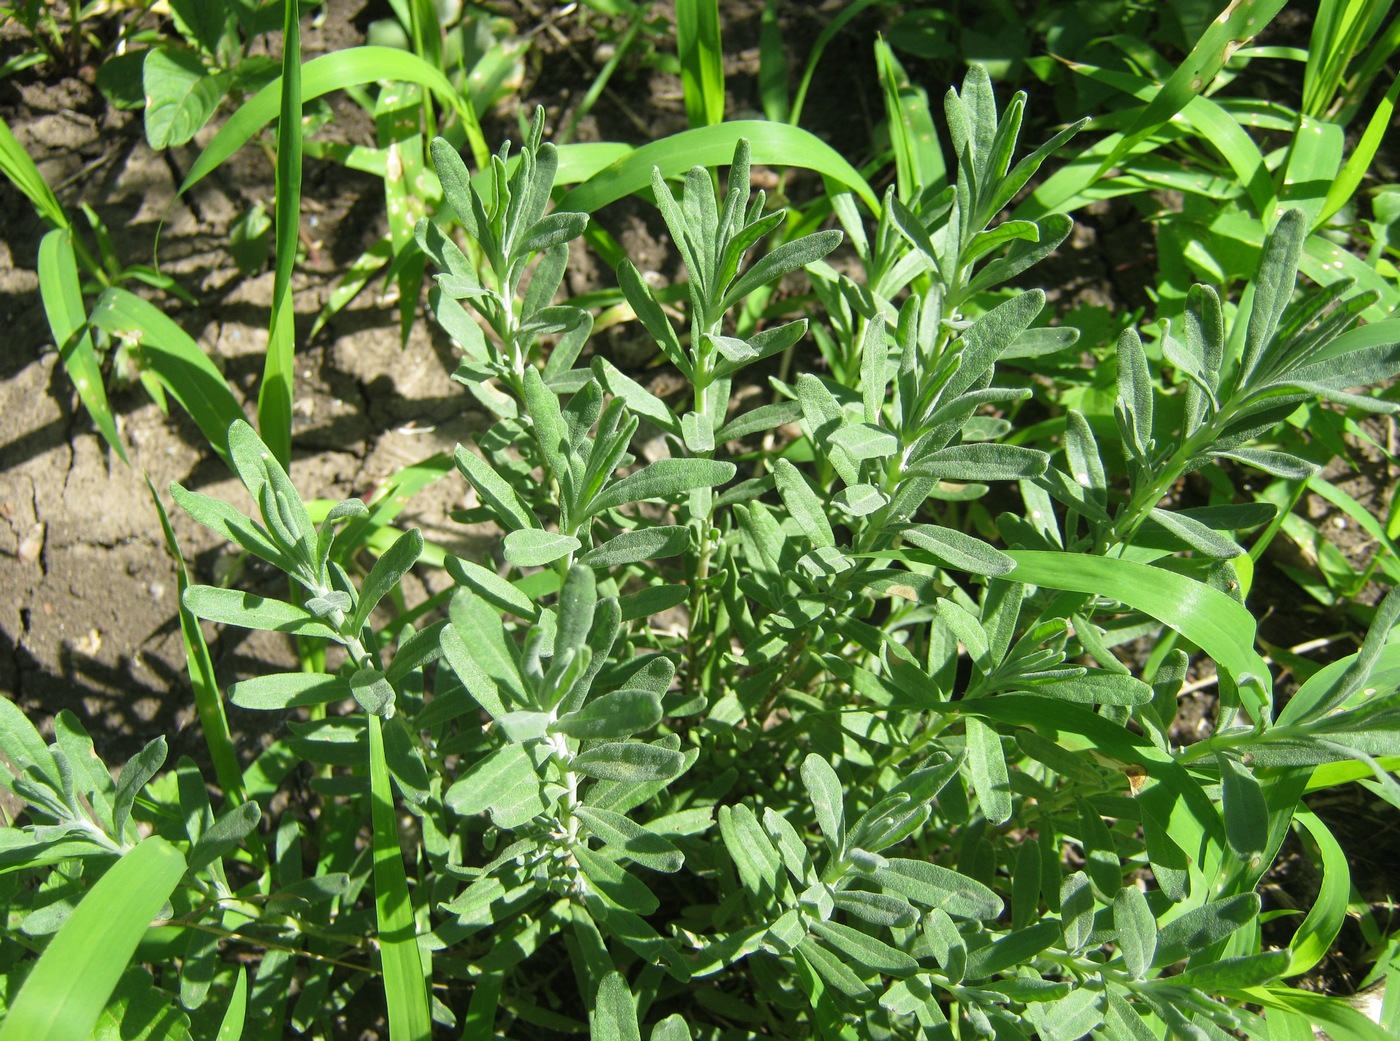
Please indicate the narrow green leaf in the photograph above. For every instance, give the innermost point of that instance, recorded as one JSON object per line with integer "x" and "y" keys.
{"x": 231, "y": 1026}
{"x": 1217, "y": 624}
{"x": 275, "y": 391}
{"x": 771, "y": 144}
{"x": 1239, "y": 22}
{"x": 327, "y": 73}
{"x": 175, "y": 359}
{"x": 702, "y": 61}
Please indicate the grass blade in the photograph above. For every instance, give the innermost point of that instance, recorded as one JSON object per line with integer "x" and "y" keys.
{"x": 176, "y": 360}
{"x": 1345, "y": 184}
{"x": 1318, "y": 932}
{"x": 16, "y": 164}
{"x": 275, "y": 394}
{"x": 67, "y": 990}
{"x": 702, "y": 61}
{"x": 231, "y": 1026}
{"x": 404, "y": 986}
{"x": 1239, "y": 22}
{"x": 201, "y": 667}
{"x": 774, "y": 144}
{"x": 336, "y": 71}
{"x": 772, "y": 65}
{"x": 63, "y": 304}
{"x": 848, "y": 12}
{"x": 1220, "y": 626}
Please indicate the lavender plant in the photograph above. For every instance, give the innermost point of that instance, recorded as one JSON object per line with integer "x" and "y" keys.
{"x": 740, "y": 731}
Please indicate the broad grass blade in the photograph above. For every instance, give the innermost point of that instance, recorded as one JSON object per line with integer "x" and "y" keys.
{"x": 405, "y": 989}
{"x": 66, "y": 991}
{"x": 1212, "y": 122}
{"x": 1220, "y": 626}
{"x": 63, "y": 304}
{"x": 702, "y": 61}
{"x": 20, "y": 169}
{"x": 231, "y": 1026}
{"x": 1239, "y": 22}
{"x": 275, "y": 394}
{"x": 176, "y": 360}
{"x": 336, "y": 71}
{"x": 1346, "y": 183}
{"x": 771, "y": 143}
{"x": 1319, "y": 930}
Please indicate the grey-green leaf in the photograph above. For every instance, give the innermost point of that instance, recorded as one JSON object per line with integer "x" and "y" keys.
{"x": 283, "y": 690}
{"x": 1136, "y": 927}
{"x": 802, "y": 503}
{"x": 1245, "y": 811}
{"x": 615, "y": 1016}
{"x": 630, "y": 839}
{"x": 386, "y": 574}
{"x": 938, "y": 887}
{"x": 825, "y": 791}
{"x": 629, "y": 761}
{"x": 1203, "y": 927}
{"x": 373, "y": 692}
{"x": 957, "y": 550}
{"x": 505, "y": 783}
{"x": 1197, "y": 535}
{"x": 232, "y": 607}
{"x": 986, "y": 764}
{"x": 638, "y": 545}
{"x": 621, "y": 713}
{"x": 531, "y": 547}
{"x": 661, "y": 479}
{"x": 225, "y": 833}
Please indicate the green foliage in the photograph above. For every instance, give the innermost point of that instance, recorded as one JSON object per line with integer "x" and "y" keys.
{"x": 753, "y": 721}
